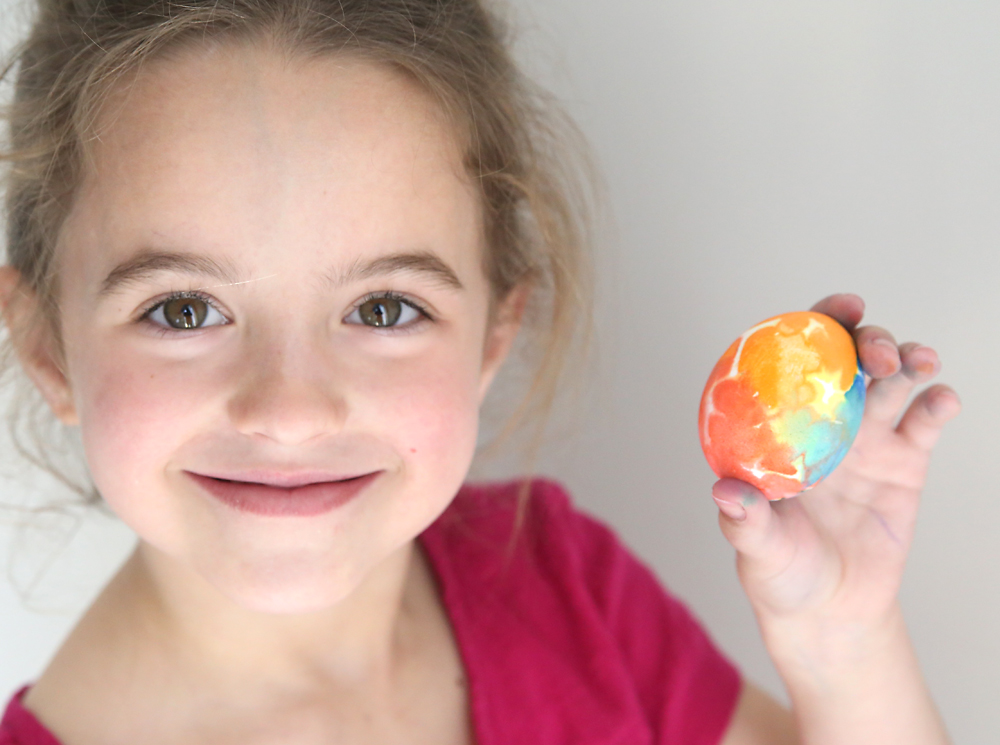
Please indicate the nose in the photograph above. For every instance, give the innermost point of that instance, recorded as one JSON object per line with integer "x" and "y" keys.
{"x": 288, "y": 393}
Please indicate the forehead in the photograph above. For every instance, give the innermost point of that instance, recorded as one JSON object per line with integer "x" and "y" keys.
{"x": 236, "y": 145}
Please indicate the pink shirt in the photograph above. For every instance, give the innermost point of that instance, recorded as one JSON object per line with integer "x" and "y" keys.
{"x": 571, "y": 642}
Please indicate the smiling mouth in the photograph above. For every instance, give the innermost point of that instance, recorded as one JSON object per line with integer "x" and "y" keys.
{"x": 281, "y": 478}
{"x": 302, "y": 500}
{"x": 289, "y": 487}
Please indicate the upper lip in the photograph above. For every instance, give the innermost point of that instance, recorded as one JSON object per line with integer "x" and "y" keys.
{"x": 284, "y": 479}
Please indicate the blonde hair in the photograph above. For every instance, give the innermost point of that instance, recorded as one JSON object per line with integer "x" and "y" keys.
{"x": 535, "y": 176}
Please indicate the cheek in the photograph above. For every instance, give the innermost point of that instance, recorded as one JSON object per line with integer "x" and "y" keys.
{"x": 428, "y": 408}
{"x": 438, "y": 420}
{"x": 134, "y": 413}
{"x": 432, "y": 424}
{"x": 126, "y": 401}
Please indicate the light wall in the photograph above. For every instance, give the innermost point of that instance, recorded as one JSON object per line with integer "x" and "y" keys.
{"x": 759, "y": 155}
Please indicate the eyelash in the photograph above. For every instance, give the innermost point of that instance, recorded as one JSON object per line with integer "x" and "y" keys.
{"x": 382, "y": 295}
{"x": 390, "y": 295}
{"x": 153, "y": 307}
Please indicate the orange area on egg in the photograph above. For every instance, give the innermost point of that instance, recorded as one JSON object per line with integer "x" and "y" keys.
{"x": 783, "y": 403}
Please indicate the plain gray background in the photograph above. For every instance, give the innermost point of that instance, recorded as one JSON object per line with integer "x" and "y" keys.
{"x": 759, "y": 155}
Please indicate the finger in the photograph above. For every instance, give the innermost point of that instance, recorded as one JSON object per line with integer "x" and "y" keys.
{"x": 887, "y": 396}
{"x": 753, "y": 526}
{"x": 925, "y": 418}
{"x": 877, "y": 351}
{"x": 845, "y": 307}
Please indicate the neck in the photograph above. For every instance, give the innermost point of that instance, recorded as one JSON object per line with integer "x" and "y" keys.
{"x": 360, "y": 641}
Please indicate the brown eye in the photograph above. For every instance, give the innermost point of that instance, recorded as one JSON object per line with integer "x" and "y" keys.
{"x": 185, "y": 312}
{"x": 382, "y": 311}
{"x": 385, "y": 310}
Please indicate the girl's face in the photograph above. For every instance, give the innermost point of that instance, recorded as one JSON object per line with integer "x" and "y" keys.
{"x": 290, "y": 197}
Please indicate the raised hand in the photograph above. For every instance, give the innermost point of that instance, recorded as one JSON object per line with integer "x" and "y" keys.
{"x": 835, "y": 554}
{"x": 822, "y": 570}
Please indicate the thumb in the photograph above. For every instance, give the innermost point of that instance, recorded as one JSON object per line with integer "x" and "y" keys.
{"x": 755, "y": 527}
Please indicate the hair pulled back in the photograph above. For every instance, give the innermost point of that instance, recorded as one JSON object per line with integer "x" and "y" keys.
{"x": 530, "y": 164}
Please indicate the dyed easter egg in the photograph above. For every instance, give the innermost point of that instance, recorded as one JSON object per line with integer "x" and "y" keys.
{"x": 783, "y": 404}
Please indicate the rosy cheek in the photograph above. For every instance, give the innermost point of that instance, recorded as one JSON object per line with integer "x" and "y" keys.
{"x": 435, "y": 406}
{"x": 132, "y": 416}
{"x": 436, "y": 423}
{"x": 428, "y": 410}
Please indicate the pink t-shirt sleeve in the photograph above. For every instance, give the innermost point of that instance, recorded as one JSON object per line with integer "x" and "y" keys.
{"x": 573, "y": 640}
{"x": 686, "y": 686}
{"x": 19, "y": 726}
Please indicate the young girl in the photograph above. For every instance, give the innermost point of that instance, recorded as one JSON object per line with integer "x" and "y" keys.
{"x": 268, "y": 256}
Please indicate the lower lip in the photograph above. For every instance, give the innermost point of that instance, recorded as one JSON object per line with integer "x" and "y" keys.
{"x": 276, "y": 501}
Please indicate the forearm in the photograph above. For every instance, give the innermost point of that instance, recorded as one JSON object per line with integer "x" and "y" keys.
{"x": 855, "y": 686}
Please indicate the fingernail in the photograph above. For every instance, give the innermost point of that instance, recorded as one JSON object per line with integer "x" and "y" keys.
{"x": 731, "y": 510}
{"x": 939, "y": 405}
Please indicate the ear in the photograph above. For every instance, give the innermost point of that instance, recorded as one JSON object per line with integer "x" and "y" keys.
{"x": 501, "y": 334}
{"x": 33, "y": 344}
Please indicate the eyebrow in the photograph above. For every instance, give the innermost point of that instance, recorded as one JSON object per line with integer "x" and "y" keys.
{"x": 147, "y": 263}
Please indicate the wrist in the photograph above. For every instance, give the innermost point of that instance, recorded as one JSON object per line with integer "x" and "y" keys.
{"x": 854, "y": 683}
{"x": 824, "y": 648}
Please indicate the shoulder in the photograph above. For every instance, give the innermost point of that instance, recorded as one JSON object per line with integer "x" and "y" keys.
{"x": 507, "y": 556}
{"x": 566, "y": 578}
{"x": 18, "y": 726}
{"x": 526, "y": 526}
{"x": 534, "y": 527}
{"x": 534, "y": 506}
